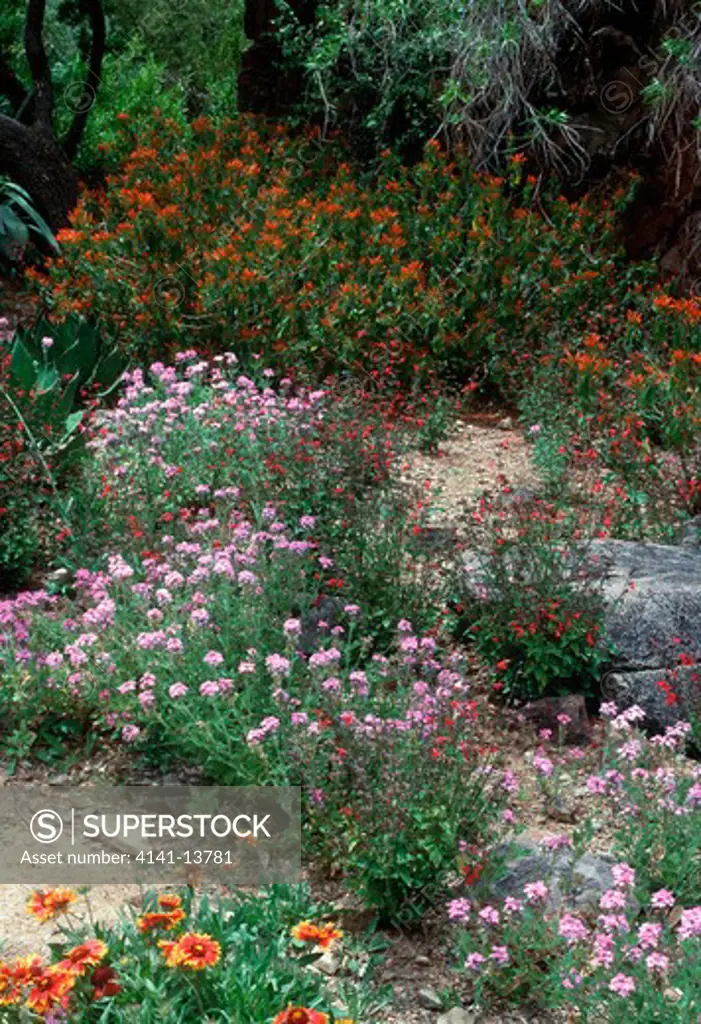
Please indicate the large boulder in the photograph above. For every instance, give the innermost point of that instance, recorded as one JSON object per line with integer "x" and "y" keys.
{"x": 653, "y": 620}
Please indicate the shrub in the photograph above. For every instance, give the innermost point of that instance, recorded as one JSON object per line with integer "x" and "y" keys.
{"x": 531, "y": 600}
{"x": 373, "y": 749}
{"x": 411, "y": 271}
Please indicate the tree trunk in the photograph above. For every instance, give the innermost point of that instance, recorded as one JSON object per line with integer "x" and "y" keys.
{"x": 31, "y": 156}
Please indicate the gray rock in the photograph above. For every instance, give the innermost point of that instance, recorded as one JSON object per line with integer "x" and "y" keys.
{"x": 327, "y": 963}
{"x": 457, "y": 1016}
{"x": 506, "y": 424}
{"x": 429, "y": 999}
{"x": 543, "y": 713}
{"x": 653, "y": 594}
{"x": 574, "y": 882}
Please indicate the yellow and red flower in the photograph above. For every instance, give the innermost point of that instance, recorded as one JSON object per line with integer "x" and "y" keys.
{"x": 9, "y": 990}
{"x": 323, "y": 936}
{"x": 80, "y": 958}
{"x": 167, "y": 920}
{"x": 49, "y": 903}
{"x": 51, "y": 988}
{"x": 301, "y": 1015}
{"x": 193, "y": 950}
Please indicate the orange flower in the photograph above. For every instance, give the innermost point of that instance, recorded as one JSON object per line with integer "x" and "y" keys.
{"x": 323, "y": 936}
{"x": 168, "y": 921}
{"x": 51, "y": 988}
{"x": 192, "y": 950}
{"x": 88, "y": 954}
{"x": 301, "y": 1015}
{"x": 47, "y": 905}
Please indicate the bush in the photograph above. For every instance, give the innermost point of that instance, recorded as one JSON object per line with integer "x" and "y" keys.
{"x": 410, "y": 271}
{"x": 531, "y": 600}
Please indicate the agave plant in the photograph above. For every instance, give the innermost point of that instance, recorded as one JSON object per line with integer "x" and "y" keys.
{"x": 51, "y": 366}
{"x": 18, "y": 220}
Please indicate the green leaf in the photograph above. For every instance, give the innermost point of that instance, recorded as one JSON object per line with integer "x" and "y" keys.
{"x": 23, "y": 367}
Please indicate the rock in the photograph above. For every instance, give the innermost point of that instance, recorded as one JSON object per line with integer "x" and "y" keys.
{"x": 653, "y": 594}
{"x": 422, "y": 961}
{"x": 429, "y": 999}
{"x": 506, "y": 424}
{"x": 574, "y": 882}
{"x": 327, "y": 963}
{"x": 543, "y": 714}
{"x": 60, "y": 780}
{"x": 457, "y": 1016}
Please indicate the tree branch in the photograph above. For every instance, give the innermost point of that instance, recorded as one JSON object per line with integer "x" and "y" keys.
{"x": 10, "y": 85}
{"x": 96, "y": 14}
{"x": 37, "y": 60}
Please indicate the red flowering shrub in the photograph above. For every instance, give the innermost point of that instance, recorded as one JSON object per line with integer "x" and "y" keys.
{"x": 249, "y": 239}
{"x": 530, "y": 599}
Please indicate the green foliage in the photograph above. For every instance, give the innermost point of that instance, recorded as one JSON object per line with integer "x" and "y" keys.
{"x": 133, "y": 85}
{"x": 256, "y": 971}
{"x": 18, "y": 220}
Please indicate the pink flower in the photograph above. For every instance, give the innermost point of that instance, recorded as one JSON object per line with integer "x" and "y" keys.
{"x": 210, "y": 688}
{"x": 557, "y": 842}
{"x": 277, "y": 665}
{"x": 657, "y": 962}
{"x": 474, "y": 961}
{"x": 213, "y": 658}
{"x": 489, "y": 915}
{"x": 292, "y": 627}
{"x": 536, "y": 892}
{"x": 623, "y": 874}
{"x": 459, "y": 910}
{"x": 513, "y": 905}
{"x": 649, "y": 935}
{"x": 543, "y": 765}
{"x": 500, "y": 954}
{"x": 572, "y": 929}
{"x": 564, "y": 719}
{"x": 622, "y": 984}
{"x": 246, "y": 667}
{"x": 662, "y": 899}
{"x": 690, "y": 923}
{"x": 130, "y": 732}
{"x": 177, "y": 690}
{"x": 613, "y": 899}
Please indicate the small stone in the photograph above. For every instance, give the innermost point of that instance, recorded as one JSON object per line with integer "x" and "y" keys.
{"x": 457, "y": 1016}
{"x": 423, "y": 961}
{"x": 60, "y": 780}
{"x": 506, "y": 424}
{"x": 327, "y": 964}
{"x": 429, "y": 999}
